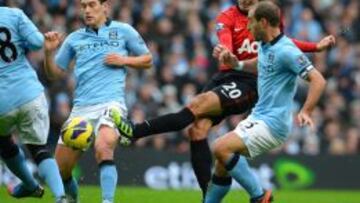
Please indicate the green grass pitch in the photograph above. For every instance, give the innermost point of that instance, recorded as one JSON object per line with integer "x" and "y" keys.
{"x": 91, "y": 194}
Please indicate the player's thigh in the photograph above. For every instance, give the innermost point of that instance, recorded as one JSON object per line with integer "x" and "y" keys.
{"x": 226, "y": 145}
{"x": 199, "y": 129}
{"x": 66, "y": 159}
{"x": 33, "y": 124}
{"x": 205, "y": 104}
{"x": 236, "y": 96}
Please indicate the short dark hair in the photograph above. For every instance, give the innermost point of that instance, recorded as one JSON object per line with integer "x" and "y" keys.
{"x": 269, "y": 11}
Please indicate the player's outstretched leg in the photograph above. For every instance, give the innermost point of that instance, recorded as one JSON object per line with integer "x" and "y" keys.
{"x": 227, "y": 150}
{"x": 48, "y": 169}
{"x": 125, "y": 127}
{"x": 15, "y": 161}
{"x": 203, "y": 105}
{"x": 162, "y": 124}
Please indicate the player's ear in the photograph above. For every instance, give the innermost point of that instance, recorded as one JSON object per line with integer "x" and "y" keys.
{"x": 106, "y": 6}
{"x": 264, "y": 23}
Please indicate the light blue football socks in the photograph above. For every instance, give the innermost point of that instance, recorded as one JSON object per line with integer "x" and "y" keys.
{"x": 217, "y": 189}
{"x": 108, "y": 180}
{"x": 49, "y": 171}
{"x": 238, "y": 167}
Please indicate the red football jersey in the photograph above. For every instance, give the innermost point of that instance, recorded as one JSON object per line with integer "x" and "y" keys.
{"x": 232, "y": 32}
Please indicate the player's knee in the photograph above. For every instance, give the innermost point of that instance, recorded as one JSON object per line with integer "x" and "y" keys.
{"x": 197, "y": 133}
{"x": 196, "y": 104}
{"x": 39, "y": 152}
{"x": 220, "y": 151}
{"x": 103, "y": 150}
{"x": 8, "y": 148}
{"x": 103, "y": 153}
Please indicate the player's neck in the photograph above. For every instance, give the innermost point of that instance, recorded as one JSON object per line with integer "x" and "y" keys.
{"x": 272, "y": 34}
{"x": 101, "y": 22}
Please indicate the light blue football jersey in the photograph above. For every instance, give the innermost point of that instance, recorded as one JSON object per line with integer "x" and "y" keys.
{"x": 19, "y": 83}
{"x": 279, "y": 64}
{"x": 96, "y": 82}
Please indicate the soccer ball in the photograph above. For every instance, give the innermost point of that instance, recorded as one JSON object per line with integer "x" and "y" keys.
{"x": 77, "y": 133}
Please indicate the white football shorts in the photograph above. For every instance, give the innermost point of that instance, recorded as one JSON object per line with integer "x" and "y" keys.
{"x": 31, "y": 121}
{"x": 96, "y": 115}
{"x": 257, "y": 137}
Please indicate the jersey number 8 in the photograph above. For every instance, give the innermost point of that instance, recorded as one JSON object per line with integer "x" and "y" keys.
{"x": 8, "y": 51}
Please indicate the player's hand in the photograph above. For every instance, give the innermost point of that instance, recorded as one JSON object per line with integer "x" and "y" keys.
{"x": 217, "y": 50}
{"x": 304, "y": 118}
{"x": 53, "y": 40}
{"x": 326, "y": 43}
{"x": 115, "y": 60}
{"x": 227, "y": 58}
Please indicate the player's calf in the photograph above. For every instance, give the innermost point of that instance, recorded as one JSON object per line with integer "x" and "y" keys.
{"x": 105, "y": 145}
{"x": 16, "y": 162}
{"x": 48, "y": 169}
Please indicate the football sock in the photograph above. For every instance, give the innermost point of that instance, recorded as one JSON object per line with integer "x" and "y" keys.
{"x": 166, "y": 123}
{"x": 17, "y": 165}
{"x": 201, "y": 161}
{"x": 239, "y": 169}
{"x": 71, "y": 188}
{"x": 218, "y": 188}
{"x": 49, "y": 170}
{"x": 108, "y": 180}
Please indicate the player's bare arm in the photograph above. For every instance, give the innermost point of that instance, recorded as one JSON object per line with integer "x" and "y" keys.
{"x": 52, "y": 42}
{"x": 136, "y": 62}
{"x": 316, "y": 86}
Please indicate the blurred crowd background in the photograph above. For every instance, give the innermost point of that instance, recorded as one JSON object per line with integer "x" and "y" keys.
{"x": 181, "y": 35}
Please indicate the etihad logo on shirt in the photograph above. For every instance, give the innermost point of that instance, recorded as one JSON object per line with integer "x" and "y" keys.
{"x": 249, "y": 47}
{"x": 96, "y": 46}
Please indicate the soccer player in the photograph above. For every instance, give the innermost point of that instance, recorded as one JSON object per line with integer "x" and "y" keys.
{"x": 101, "y": 51}
{"x": 23, "y": 106}
{"x": 279, "y": 63}
{"x": 231, "y": 91}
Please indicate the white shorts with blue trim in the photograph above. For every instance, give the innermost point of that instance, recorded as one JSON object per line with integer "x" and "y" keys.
{"x": 257, "y": 137}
